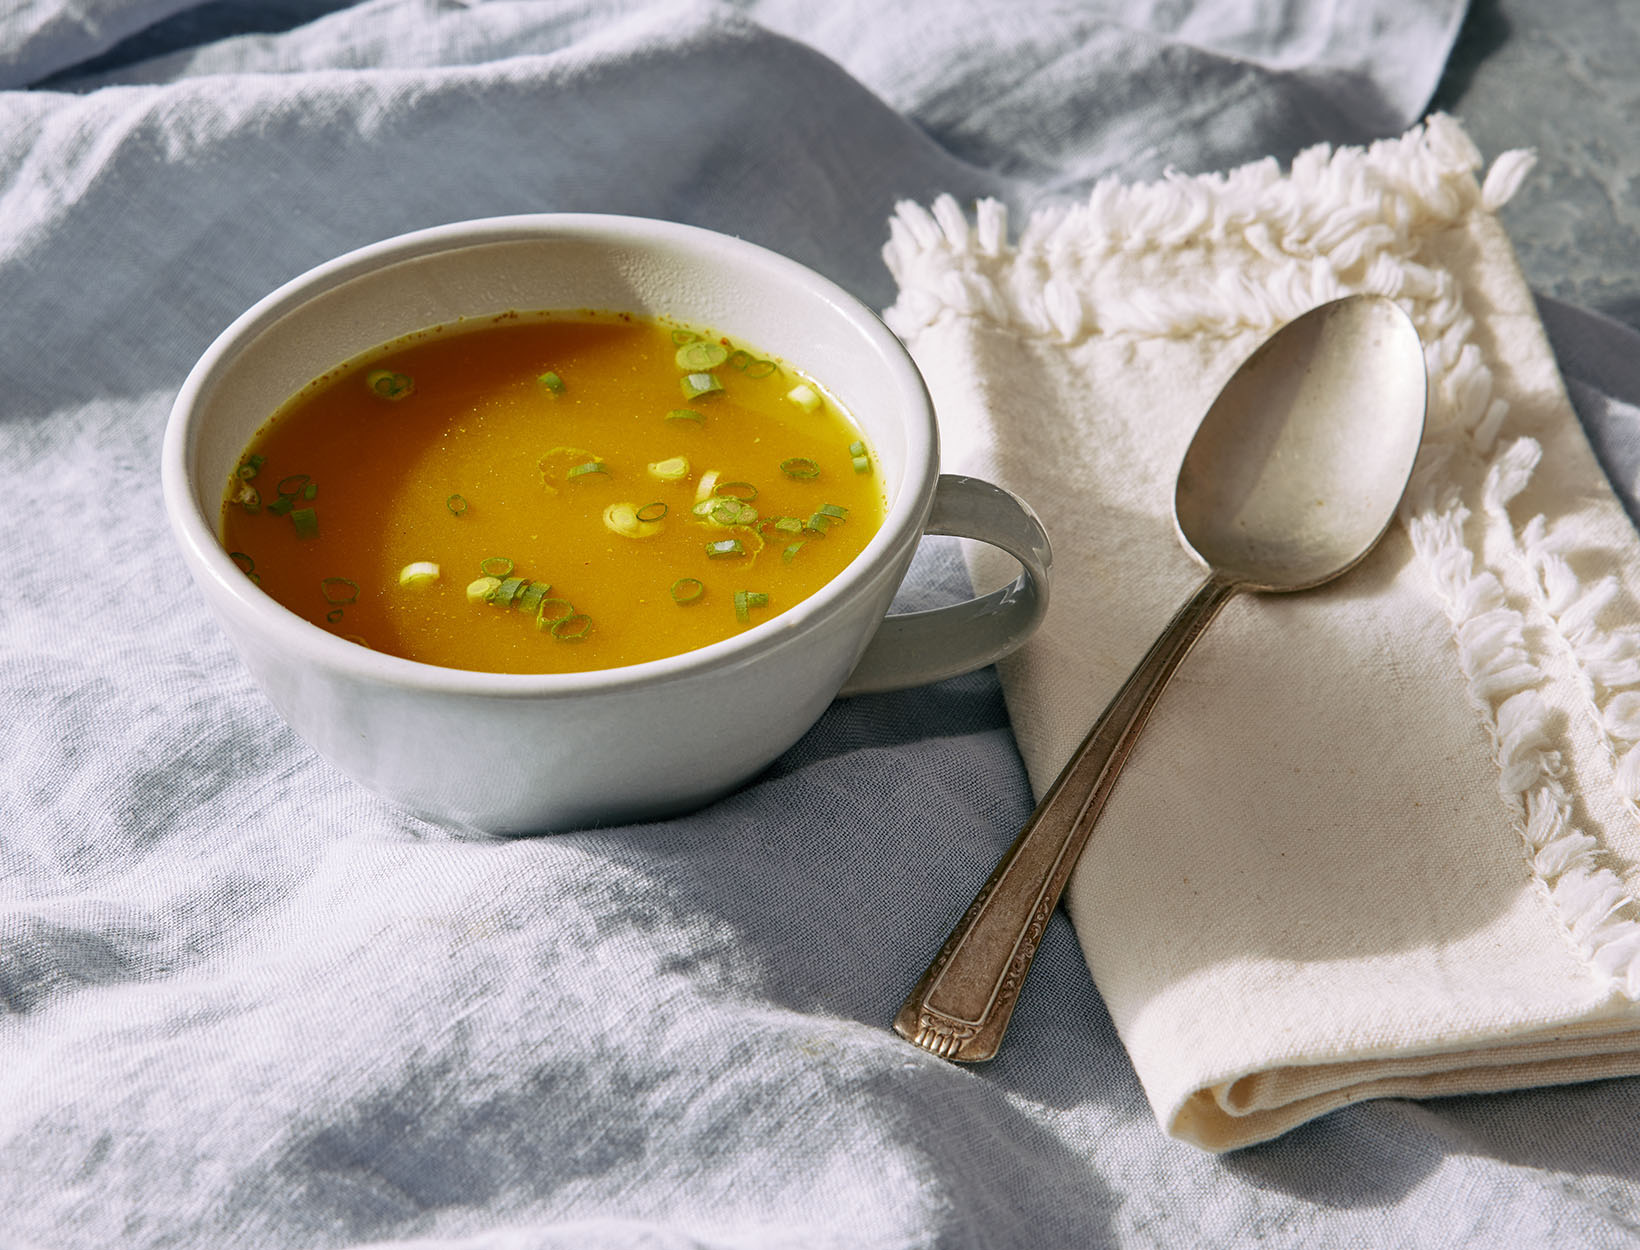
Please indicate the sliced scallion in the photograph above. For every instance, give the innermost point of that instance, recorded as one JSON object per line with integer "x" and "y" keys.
{"x": 456, "y": 504}
{"x": 801, "y": 468}
{"x": 306, "y": 521}
{"x": 282, "y": 505}
{"x": 546, "y": 615}
{"x": 509, "y": 589}
{"x": 252, "y": 466}
{"x": 687, "y": 590}
{"x": 479, "y": 590}
{"x": 694, "y": 385}
{"x": 673, "y": 469}
{"x": 334, "y": 615}
{"x": 725, "y": 547}
{"x": 738, "y": 490}
{"x": 681, "y": 336}
{"x": 760, "y": 368}
{"x": 651, "y": 511}
{"x": 623, "y": 519}
{"x": 293, "y": 484}
{"x": 827, "y": 515}
{"x": 572, "y": 628}
{"x": 385, "y": 384}
{"x": 419, "y": 573}
{"x": 745, "y": 601}
{"x": 722, "y": 510}
{"x": 804, "y": 396}
{"x": 788, "y": 525}
{"x": 339, "y": 590}
{"x": 701, "y": 355}
{"x": 587, "y": 469}
{"x": 790, "y": 552}
{"x": 550, "y": 382}
{"x": 530, "y": 600}
{"x": 245, "y": 563}
{"x": 495, "y": 566}
{"x": 686, "y": 414}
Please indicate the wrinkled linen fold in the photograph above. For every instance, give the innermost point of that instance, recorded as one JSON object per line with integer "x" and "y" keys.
{"x": 1378, "y": 838}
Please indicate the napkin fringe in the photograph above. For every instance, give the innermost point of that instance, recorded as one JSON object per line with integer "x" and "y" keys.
{"x": 1593, "y": 910}
{"x": 1341, "y": 221}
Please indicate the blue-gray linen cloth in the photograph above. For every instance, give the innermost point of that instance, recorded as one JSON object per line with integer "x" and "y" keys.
{"x": 245, "y": 1003}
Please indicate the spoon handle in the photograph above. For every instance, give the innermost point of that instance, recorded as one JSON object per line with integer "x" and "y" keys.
{"x": 960, "y": 1007}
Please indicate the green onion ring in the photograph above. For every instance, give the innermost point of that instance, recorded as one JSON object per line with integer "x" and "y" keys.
{"x": 651, "y": 511}
{"x": 702, "y": 355}
{"x": 456, "y": 504}
{"x": 339, "y": 590}
{"x": 495, "y": 566}
{"x": 386, "y": 384}
{"x": 334, "y": 615}
{"x": 800, "y": 467}
{"x": 572, "y": 628}
{"x": 249, "y": 565}
{"x": 545, "y": 621}
{"x": 687, "y": 590}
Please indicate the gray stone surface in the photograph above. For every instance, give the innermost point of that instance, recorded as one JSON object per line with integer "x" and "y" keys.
{"x": 1561, "y": 77}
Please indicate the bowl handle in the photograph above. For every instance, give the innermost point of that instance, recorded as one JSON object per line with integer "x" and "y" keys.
{"x": 914, "y": 648}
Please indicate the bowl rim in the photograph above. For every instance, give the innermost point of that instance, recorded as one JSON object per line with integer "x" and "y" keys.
{"x": 306, "y": 643}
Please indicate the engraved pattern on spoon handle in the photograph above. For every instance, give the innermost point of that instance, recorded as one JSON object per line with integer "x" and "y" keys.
{"x": 960, "y": 1007}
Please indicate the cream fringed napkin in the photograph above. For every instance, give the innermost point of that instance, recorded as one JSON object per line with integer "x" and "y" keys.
{"x": 1381, "y": 838}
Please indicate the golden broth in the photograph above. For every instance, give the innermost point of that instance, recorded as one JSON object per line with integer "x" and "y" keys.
{"x": 545, "y": 463}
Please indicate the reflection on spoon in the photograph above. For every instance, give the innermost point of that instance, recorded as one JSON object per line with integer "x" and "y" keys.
{"x": 1292, "y": 478}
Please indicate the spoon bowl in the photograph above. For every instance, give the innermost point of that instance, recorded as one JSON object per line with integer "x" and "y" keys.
{"x": 1298, "y": 466}
{"x": 1291, "y": 479}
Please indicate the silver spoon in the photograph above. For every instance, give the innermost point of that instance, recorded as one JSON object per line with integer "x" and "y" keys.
{"x": 1292, "y": 478}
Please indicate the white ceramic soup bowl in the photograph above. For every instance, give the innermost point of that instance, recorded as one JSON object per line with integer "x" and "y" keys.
{"x": 515, "y": 754}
